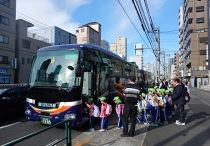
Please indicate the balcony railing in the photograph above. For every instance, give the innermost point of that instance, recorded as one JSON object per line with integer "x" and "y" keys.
{"x": 188, "y": 60}
{"x": 34, "y": 36}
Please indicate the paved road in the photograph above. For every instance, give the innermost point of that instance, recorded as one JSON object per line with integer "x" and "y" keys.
{"x": 23, "y": 127}
{"x": 196, "y": 132}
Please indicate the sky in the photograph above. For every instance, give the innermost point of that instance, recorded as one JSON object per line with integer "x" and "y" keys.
{"x": 70, "y": 14}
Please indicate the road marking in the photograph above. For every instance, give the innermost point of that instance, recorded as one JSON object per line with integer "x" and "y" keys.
{"x": 205, "y": 102}
{"x": 52, "y": 143}
{"x": 10, "y": 125}
{"x": 83, "y": 142}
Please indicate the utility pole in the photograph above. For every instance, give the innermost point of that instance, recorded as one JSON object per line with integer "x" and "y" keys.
{"x": 158, "y": 53}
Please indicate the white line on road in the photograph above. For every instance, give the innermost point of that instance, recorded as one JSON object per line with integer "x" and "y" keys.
{"x": 205, "y": 102}
{"x": 10, "y": 125}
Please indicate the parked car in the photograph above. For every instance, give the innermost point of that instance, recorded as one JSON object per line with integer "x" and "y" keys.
{"x": 12, "y": 100}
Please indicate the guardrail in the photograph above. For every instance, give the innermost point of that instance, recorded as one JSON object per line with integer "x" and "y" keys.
{"x": 67, "y": 135}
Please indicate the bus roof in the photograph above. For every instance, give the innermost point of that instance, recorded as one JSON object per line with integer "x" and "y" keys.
{"x": 82, "y": 47}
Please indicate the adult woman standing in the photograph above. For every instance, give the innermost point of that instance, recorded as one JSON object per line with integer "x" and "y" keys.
{"x": 179, "y": 100}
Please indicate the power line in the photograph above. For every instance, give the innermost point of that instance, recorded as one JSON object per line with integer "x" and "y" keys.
{"x": 132, "y": 23}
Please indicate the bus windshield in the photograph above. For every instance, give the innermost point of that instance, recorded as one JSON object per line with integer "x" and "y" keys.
{"x": 54, "y": 68}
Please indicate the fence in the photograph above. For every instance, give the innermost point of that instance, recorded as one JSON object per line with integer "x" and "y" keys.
{"x": 67, "y": 135}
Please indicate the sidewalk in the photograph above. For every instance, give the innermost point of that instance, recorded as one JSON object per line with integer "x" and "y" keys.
{"x": 196, "y": 132}
{"x": 111, "y": 137}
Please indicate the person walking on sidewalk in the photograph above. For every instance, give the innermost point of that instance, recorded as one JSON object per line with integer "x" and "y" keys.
{"x": 179, "y": 100}
{"x": 132, "y": 92}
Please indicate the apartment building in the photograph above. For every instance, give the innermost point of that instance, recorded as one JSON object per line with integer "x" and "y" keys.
{"x": 55, "y": 35}
{"x": 26, "y": 46}
{"x": 120, "y": 47}
{"x": 182, "y": 68}
{"x": 176, "y": 69}
{"x": 105, "y": 44}
{"x": 170, "y": 63}
{"x": 7, "y": 40}
{"x": 138, "y": 55}
{"x": 89, "y": 33}
{"x": 195, "y": 34}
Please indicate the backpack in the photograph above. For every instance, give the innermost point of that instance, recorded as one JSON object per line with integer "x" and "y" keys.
{"x": 108, "y": 109}
{"x": 186, "y": 95}
{"x": 96, "y": 111}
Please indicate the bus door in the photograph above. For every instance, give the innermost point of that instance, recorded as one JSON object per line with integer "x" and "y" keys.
{"x": 88, "y": 83}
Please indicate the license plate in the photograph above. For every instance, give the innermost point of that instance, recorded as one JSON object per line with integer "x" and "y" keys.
{"x": 45, "y": 120}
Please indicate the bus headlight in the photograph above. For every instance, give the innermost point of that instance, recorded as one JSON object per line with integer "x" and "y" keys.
{"x": 70, "y": 116}
{"x": 27, "y": 111}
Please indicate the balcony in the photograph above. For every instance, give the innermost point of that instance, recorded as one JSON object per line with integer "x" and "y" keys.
{"x": 188, "y": 38}
{"x": 187, "y": 61}
{"x": 36, "y": 37}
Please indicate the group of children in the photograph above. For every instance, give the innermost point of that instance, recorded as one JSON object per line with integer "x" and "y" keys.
{"x": 153, "y": 104}
{"x": 158, "y": 106}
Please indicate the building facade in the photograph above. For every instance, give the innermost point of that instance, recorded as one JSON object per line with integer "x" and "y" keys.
{"x": 182, "y": 68}
{"x": 89, "y": 33}
{"x": 195, "y": 35}
{"x": 170, "y": 63}
{"x": 176, "y": 70}
{"x": 120, "y": 47}
{"x": 55, "y": 35}
{"x": 138, "y": 55}
{"x": 7, "y": 40}
{"x": 105, "y": 44}
{"x": 26, "y": 46}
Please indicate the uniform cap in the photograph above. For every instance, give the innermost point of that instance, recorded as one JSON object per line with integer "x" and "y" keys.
{"x": 167, "y": 91}
{"x": 90, "y": 100}
{"x": 161, "y": 91}
{"x": 143, "y": 95}
{"x": 116, "y": 98}
{"x": 102, "y": 98}
{"x": 151, "y": 90}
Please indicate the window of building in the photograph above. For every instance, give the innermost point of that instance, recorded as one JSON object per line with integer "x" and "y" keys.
{"x": 199, "y": 30}
{"x": 200, "y": 20}
{"x": 82, "y": 30}
{"x": 3, "y": 59}
{"x": 28, "y": 60}
{"x": 84, "y": 39}
{"x": 202, "y": 52}
{"x": 93, "y": 32}
{"x": 4, "y": 39}
{"x": 200, "y": 9}
{"x": 38, "y": 47}
{"x": 77, "y": 31}
{"x": 26, "y": 44}
{"x": 203, "y": 39}
{"x": 5, "y": 2}
{"x": 190, "y": 20}
{"x": 23, "y": 60}
{"x": 59, "y": 33}
{"x": 4, "y": 20}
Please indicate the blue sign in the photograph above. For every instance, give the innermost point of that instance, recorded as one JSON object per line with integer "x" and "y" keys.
{"x": 3, "y": 71}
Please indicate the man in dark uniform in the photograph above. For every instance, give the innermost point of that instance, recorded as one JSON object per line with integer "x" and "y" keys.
{"x": 132, "y": 92}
